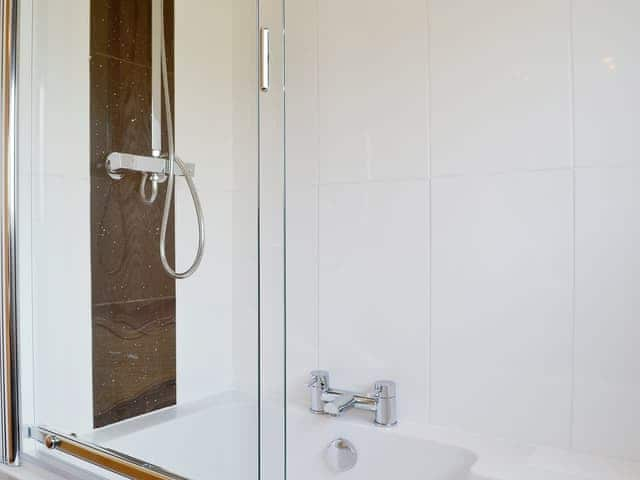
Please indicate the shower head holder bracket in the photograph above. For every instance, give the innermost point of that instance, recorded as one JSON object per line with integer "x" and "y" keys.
{"x": 118, "y": 164}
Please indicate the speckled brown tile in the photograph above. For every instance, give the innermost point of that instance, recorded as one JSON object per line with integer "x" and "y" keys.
{"x": 134, "y": 358}
{"x": 125, "y": 231}
{"x": 122, "y": 29}
{"x": 133, "y": 298}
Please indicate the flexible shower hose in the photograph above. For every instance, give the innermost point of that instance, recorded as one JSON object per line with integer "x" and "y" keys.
{"x": 170, "y": 183}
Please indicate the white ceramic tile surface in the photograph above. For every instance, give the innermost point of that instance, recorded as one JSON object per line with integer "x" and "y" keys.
{"x": 501, "y": 305}
{"x": 607, "y": 75}
{"x": 302, "y": 290}
{"x": 486, "y": 88}
{"x": 607, "y": 391}
{"x": 60, "y": 214}
{"x": 59, "y": 67}
{"x": 500, "y": 85}
{"x": 62, "y": 310}
{"x": 372, "y": 89}
{"x": 302, "y": 194}
{"x": 204, "y": 301}
{"x": 373, "y": 287}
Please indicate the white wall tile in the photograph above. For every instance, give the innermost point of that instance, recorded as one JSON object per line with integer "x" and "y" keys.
{"x": 204, "y": 301}
{"x": 302, "y": 194}
{"x": 373, "y": 86}
{"x": 61, "y": 281}
{"x": 607, "y": 75}
{"x": 60, "y": 66}
{"x": 245, "y": 144}
{"x": 500, "y": 102}
{"x": 500, "y": 89}
{"x": 607, "y": 390}
{"x": 501, "y": 305}
{"x": 60, "y": 215}
{"x": 373, "y": 288}
{"x": 302, "y": 288}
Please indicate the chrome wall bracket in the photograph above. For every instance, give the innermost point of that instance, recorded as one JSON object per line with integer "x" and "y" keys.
{"x": 118, "y": 164}
{"x": 154, "y": 169}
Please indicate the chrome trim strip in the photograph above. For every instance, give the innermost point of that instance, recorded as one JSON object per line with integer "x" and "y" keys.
{"x": 108, "y": 459}
{"x": 8, "y": 346}
{"x": 9, "y": 399}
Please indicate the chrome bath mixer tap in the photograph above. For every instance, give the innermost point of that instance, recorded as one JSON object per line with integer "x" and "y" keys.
{"x": 331, "y": 401}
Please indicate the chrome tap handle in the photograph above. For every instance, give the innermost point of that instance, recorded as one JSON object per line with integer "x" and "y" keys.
{"x": 318, "y": 385}
{"x": 385, "y": 389}
{"x": 319, "y": 377}
{"x": 385, "y": 392}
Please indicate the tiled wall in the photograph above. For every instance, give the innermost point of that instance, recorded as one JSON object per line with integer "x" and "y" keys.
{"x": 133, "y": 300}
{"x": 204, "y": 132}
{"x": 462, "y": 212}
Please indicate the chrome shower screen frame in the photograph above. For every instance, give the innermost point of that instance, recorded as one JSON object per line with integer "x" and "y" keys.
{"x": 9, "y": 399}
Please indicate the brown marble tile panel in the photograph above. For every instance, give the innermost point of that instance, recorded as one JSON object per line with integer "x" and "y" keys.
{"x": 125, "y": 231}
{"x": 169, "y": 32}
{"x": 133, "y": 299}
{"x": 156, "y": 397}
{"x": 122, "y": 29}
{"x": 134, "y": 358}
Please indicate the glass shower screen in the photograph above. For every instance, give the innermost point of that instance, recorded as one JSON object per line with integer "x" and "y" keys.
{"x": 120, "y": 360}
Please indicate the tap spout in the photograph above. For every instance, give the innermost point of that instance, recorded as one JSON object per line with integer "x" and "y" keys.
{"x": 339, "y": 405}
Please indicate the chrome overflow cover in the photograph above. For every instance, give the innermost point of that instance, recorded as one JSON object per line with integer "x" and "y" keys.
{"x": 341, "y": 455}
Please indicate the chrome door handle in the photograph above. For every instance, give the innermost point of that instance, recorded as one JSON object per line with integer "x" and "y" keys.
{"x": 264, "y": 59}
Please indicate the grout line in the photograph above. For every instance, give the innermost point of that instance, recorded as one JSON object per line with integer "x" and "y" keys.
{"x": 317, "y": 272}
{"x": 429, "y": 199}
{"x": 136, "y": 300}
{"x": 118, "y": 59}
{"x": 32, "y": 209}
{"x": 572, "y": 134}
{"x": 498, "y": 173}
{"x": 317, "y": 175}
{"x": 614, "y": 166}
{"x": 373, "y": 181}
{"x": 430, "y": 177}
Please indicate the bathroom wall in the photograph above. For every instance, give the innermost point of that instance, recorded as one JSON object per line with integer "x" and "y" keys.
{"x": 216, "y": 128}
{"x": 205, "y": 99}
{"x": 462, "y": 212}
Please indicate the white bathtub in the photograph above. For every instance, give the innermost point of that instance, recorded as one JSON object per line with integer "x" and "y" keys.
{"x": 419, "y": 452}
{"x": 383, "y": 453}
{"x": 216, "y": 439}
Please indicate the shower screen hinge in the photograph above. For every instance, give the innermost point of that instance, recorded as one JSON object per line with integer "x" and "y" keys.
{"x": 264, "y": 59}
